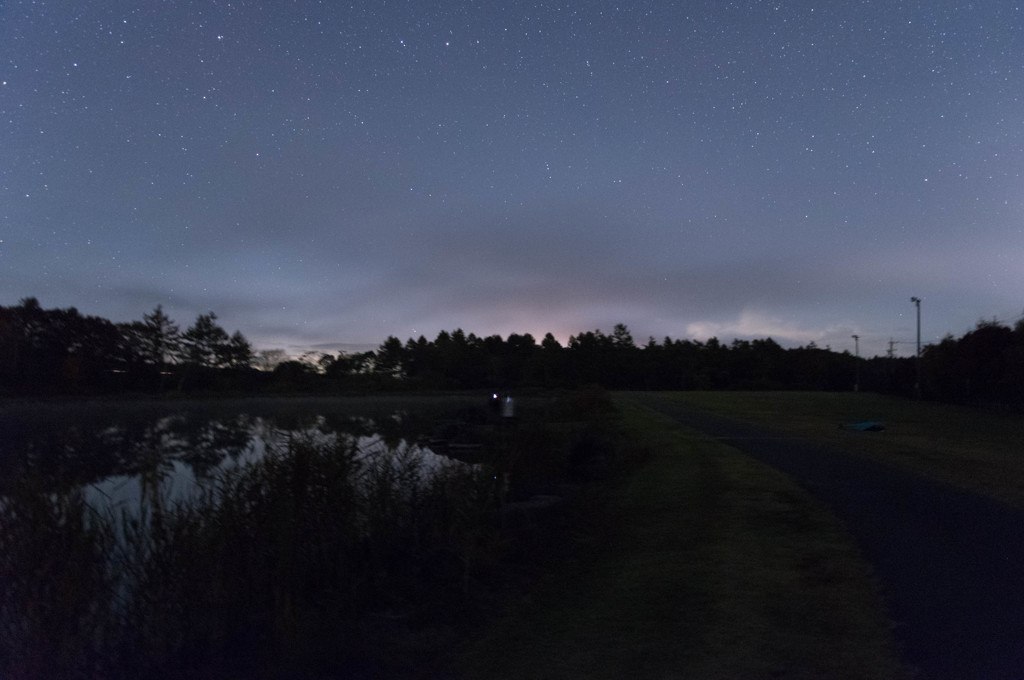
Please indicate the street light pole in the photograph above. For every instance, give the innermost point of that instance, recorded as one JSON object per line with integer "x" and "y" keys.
{"x": 917, "y": 384}
{"x": 856, "y": 353}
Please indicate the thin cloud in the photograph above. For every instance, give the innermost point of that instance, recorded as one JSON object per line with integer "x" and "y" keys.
{"x": 752, "y": 324}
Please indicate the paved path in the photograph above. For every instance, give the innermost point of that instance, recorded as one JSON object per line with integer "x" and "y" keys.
{"x": 951, "y": 563}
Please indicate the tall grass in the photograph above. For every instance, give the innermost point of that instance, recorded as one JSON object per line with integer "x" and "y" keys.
{"x": 279, "y": 565}
{"x": 56, "y": 587}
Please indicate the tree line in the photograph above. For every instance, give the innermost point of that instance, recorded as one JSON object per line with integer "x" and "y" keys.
{"x": 61, "y": 351}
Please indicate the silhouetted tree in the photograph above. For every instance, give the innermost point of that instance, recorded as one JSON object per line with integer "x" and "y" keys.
{"x": 151, "y": 345}
{"x": 204, "y": 343}
{"x": 586, "y": 357}
{"x": 390, "y": 358}
{"x": 59, "y": 349}
{"x": 294, "y": 376}
{"x": 622, "y": 338}
{"x": 944, "y": 374}
{"x": 546, "y": 366}
{"x": 982, "y": 366}
{"x": 419, "y": 361}
{"x": 517, "y": 354}
{"x": 161, "y": 338}
{"x": 622, "y": 360}
{"x": 461, "y": 360}
{"x": 768, "y": 365}
{"x": 238, "y": 352}
{"x": 268, "y": 359}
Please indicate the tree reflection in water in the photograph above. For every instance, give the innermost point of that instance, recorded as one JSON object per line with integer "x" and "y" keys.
{"x": 122, "y": 449}
{"x": 125, "y": 563}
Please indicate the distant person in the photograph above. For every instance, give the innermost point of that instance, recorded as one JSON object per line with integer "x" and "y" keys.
{"x": 503, "y": 405}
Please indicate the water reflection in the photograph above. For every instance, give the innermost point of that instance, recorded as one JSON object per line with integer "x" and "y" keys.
{"x": 280, "y": 538}
{"x": 63, "y": 455}
{"x": 121, "y": 449}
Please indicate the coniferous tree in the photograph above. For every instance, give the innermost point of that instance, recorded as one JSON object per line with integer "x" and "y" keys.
{"x": 204, "y": 342}
{"x": 162, "y": 337}
{"x": 390, "y": 358}
{"x": 238, "y": 352}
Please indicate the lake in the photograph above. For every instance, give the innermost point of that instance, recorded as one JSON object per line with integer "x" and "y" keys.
{"x": 112, "y": 448}
{"x": 127, "y": 538}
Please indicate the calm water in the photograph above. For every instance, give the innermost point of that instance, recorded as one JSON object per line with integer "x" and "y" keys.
{"x": 113, "y": 448}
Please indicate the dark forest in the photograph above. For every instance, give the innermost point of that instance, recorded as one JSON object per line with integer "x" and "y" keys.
{"x": 48, "y": 352}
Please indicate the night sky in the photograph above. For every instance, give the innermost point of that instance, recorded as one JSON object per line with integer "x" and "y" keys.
{"x": 325, "y": 174}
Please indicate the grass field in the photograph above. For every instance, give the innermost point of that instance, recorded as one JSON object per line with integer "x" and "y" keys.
{"x": 704, "y": 564}
{"x": 973, "y": 449}
{"x": 695, "y": 562}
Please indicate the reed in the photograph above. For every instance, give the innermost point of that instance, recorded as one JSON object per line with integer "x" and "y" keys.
{"x": 278, "y": 564}
{"x": 55, "y": 588}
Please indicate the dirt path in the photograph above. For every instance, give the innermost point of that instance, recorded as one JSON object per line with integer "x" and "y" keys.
{"x": 951, "y": 563}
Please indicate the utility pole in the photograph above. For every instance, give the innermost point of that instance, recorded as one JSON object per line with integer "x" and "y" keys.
{"x": 856, "y": 354}
{"x": 917, "y": 385}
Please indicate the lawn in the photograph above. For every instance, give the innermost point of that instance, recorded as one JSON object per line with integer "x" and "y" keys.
{"x": 704, "y": 564}
{"x": 972, "y": 449}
